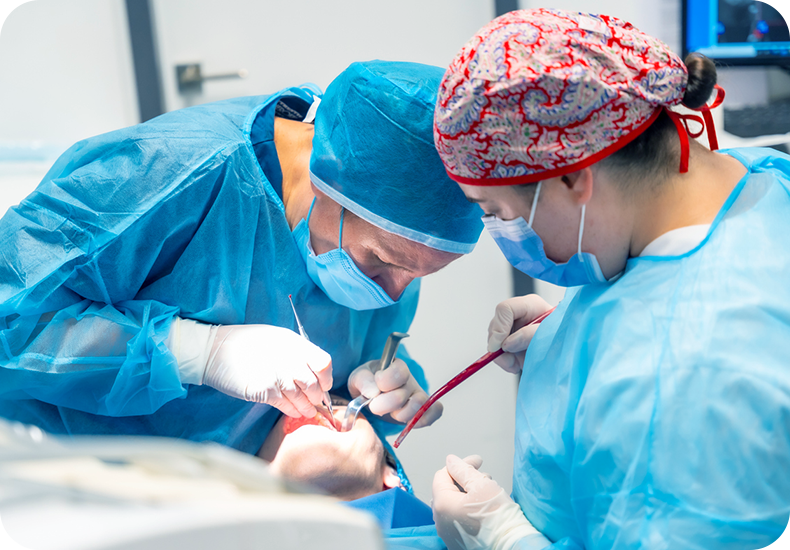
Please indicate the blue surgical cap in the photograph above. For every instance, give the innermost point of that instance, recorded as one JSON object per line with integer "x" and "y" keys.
{"x": 373, "y": 153}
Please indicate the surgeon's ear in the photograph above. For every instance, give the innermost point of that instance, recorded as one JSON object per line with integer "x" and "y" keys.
{"x": 329, "y": 205}
{"x": 316, "y": 191}
{"x": 580, "y": 185}
{"x": 391, "y": 478}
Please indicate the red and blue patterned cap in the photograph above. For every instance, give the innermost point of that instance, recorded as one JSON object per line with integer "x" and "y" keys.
{"x": 540, "y": 93}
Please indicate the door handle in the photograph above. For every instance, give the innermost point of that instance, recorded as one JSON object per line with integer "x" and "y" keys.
{"x": 190, "y": 77}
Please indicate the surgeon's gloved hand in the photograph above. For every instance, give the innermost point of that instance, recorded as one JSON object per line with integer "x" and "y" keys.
{"x": 271, "y": 365}
{"x": 395, "y": 392}
{"x": 472, "y": 512}
{"x": 508, "y": 330}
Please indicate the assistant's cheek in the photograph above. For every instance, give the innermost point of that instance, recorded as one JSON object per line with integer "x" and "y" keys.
{"x": 559, "y": 232}
{"x": 510, "y": 211}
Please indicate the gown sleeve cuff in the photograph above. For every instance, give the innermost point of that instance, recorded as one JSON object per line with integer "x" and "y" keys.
{"x": 533, "y": 541}
{"x": 190, "y": 342}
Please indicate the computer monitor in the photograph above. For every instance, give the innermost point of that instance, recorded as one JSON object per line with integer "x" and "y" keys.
{"x": 736, "y": 32}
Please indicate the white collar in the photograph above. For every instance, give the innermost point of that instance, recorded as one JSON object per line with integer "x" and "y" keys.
{"x": 677, "y": 242}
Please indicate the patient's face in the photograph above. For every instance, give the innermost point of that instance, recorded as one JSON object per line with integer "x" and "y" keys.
{"x": 348, "y": 465}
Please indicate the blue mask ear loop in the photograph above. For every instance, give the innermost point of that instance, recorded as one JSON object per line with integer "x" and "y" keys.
{"x": 340, "y": 230}
{"x": 309, "y": 212}
{"x": 307, "y": 221}
{"x": 581, "y": 223}
{"x": 581, "y": 232}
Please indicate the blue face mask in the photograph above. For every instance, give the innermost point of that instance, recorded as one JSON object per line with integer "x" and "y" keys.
{"x": 524, "y": 250}
{"x": 336, "y": 273}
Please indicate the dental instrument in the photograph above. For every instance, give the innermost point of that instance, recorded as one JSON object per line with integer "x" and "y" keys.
{"x": 356, "y": 405}
{"x": 327, "y": 399}
{"x": 457, "y": 379}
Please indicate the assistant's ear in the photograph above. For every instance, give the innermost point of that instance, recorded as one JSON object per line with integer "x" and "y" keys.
{"x": 580, "y": 183}
{"x": 391, "y": 478}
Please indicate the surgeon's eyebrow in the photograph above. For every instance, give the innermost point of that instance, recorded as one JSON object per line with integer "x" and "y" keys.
{"x": 390, "y": 256}
{"x": 474, "y": 200}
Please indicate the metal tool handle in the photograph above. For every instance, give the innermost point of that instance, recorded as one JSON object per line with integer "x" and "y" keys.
{"x": 356, "y": 405}
{"x": 390, "y": 348}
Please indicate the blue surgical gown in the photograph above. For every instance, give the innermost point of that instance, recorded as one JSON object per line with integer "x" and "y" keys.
{"x": 405, "y": 521}
{"x": 179, "y": 216}
{"x": 655, "y": 412}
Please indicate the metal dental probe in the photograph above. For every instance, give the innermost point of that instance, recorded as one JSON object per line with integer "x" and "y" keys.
{"x": 327, "y": 399}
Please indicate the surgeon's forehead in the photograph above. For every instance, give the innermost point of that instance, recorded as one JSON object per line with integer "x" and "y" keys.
{"x": 419, "y": 257}
{"x": 401, "y": 251}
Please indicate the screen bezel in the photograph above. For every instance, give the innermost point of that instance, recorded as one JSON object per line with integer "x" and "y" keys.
{"x": 767, "y": 60}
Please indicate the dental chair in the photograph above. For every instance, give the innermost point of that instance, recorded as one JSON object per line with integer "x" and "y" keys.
{"x": 124, "y": 493}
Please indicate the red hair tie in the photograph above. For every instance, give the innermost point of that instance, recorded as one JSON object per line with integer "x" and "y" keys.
{"x": 682, "y": 125}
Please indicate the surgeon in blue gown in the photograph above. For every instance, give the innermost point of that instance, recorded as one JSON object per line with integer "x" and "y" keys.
{"x": 144, "y": 284}
{"x": 653, "y": 408}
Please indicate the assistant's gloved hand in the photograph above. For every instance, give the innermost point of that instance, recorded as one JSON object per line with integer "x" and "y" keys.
{"x": 395, "y": 392}
{"x": 508, "y": 330}
{"x": 472, "y": 511}
{"x": 269, "y": 364}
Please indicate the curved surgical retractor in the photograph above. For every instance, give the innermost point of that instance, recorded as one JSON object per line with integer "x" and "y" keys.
{"x": 386, "y": 358}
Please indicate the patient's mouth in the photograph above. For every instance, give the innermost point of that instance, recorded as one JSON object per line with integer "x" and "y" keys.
{"x": 321, "y": 418}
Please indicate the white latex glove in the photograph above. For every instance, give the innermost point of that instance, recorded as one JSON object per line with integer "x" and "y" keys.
{"x": 269, "y": 364}
{"x": 507, "y": 329}
{"x": 472, "y": 511}
{"x": 395, "y": 392}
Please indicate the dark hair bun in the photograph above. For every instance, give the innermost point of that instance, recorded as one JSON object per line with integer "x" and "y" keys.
{"x": 702, "y": 78}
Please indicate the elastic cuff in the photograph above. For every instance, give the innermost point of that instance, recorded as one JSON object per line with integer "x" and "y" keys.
{"x": 535, "y": 541}
{"x": 191, "y": 344}
{"x": 531, "y": 541}
{"x": 516, "y": 532}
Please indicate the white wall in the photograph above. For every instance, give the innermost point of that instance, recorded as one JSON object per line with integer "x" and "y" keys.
{"x": 65, "y": 71}
{"x": 287, "y": 43}
{"x": 65, "y": 74}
